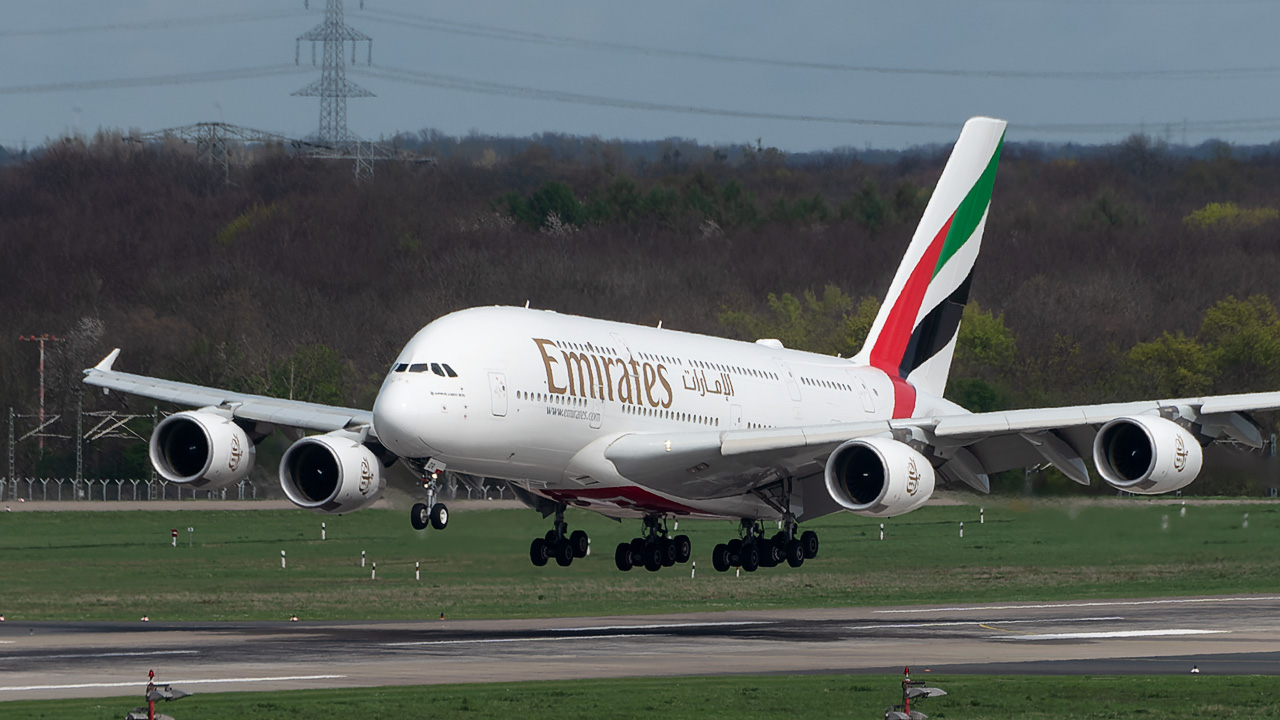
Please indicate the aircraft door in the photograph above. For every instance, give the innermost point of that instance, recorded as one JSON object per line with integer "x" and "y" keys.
{"x": 498, "y": 393}
{"x": 868, "y": 403}
{"x": 735, "y": 417}
{"x": 789, "y": 378}
{"x": 597, "y": 409}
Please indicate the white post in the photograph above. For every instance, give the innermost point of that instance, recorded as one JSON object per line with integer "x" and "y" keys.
{"x": 739, "y": 572}
{"x": 881, "y": 531}
{"x": 1183, "y": 511}
{"x": 282, "y": 562}
{"x": 693, "y": 573}
{"x": 417, "y": 571}
{"x": 1245, "y": 525}
{"x": 361, "y": 558}
{"x": 323, "y": 531}
{"x": 961, "y": 528}
{"x": 588, "y": 547}
{"x": 982, "y": 516}
{"x": 190, "y": 534}
{"x": 373, "y": 575}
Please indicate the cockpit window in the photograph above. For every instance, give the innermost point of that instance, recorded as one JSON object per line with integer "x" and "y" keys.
{"x": 450, "y": 371}
{"x": 435, "y": 368}
{"x": 418, "y": 367}
{"x": 401, "y": 367}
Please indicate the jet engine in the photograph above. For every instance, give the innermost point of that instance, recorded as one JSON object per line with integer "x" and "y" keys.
{"x": 203, "y": 449}
{"x": 331, "y": 474}
{"x": 1147, "y": 455}
{"x": 878, "y": 477}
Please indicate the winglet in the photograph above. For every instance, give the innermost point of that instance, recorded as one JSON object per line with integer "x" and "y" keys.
{"x": 108, "y": 361}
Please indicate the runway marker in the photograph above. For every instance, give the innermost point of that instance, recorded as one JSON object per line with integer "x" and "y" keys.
{"x": 665, "y": 626}
{"x": 479, "y": 641}
{"x": 1107, "y": 635}
{"x": 6, "y": 642}
{"x": 100, "y": 655}
{"x": 979, "y": 622}
{"x": 1115, "y": 603}
{"x": 80, "y": 686}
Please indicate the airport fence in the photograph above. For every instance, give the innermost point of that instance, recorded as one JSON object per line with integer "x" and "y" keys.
{"x": 115, "y": 490}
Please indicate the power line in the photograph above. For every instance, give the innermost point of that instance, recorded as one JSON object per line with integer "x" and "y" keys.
{"x": 154, "y": 80}
{"x": 499, "y": 33}
{"x": 168, "y": 24}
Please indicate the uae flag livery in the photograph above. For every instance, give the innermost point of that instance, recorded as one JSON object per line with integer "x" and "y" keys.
{"x": 914, "y": 337}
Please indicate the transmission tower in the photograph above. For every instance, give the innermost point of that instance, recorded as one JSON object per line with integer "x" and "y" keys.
{"x": 333, "y": 88}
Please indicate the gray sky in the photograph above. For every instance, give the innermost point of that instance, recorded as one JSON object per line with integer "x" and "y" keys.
{"x": 1102, "y": 68}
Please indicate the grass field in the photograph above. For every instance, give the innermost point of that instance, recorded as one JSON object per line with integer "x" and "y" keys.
{"x": 804, "y": 696}
{"x": 120, "y": 565}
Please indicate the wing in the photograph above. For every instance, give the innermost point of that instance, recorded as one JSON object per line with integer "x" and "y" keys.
{"x": 258, "y": 408}
{"x": 964, "y": 447}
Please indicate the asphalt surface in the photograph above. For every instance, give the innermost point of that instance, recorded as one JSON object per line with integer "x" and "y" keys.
{"x": 1219, "y": 635}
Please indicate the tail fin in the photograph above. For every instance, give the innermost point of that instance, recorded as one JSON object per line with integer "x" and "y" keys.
{"x": 914, "y": 336}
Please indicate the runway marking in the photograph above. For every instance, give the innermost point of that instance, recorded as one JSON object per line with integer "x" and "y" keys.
{"x": 978, "y": 622}
{"x": 666, "y": 626}
{"x": 7, "y": 642}
{"x": 1113, "y": 603}
{"x": 1106, "y": 635}
{"x": 511, "y": 640}
{"x": 81, "y": 686}
{"x": 98, "y": 655}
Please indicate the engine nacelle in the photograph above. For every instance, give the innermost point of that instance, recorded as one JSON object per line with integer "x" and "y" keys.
{"x": 879, "y": 477}
{"x": 202, "y": 449}
{"x": 1147, "y": 455}
{"x": 331, "y": 474}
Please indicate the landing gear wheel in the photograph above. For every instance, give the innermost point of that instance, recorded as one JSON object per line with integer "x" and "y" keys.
{"x": 770, "y": 553}
{"x": 780, "y": 539}
{"x": 750, "y": 557}
{"x": 795, "y": 553}
{"x": 720, "y": 558}
{"x": 419, "y": 517}
{"x": 440, "y": 516}
{"x": 684, "y": 548}
{"x": 538, "y": 552}
{"x": 668, "y": 549}
{"x": 622, "y": 557}
{"x": 580, "y": 542}
{"x": 653, "y": 557}
{"x": 637, "y": 552}
{"x": 564, "y": 553}
{"x": 809, "y": 540}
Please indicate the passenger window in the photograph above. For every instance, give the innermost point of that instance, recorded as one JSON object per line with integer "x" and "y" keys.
{"x": 435, "y": 368}
{"x": 401, "y": 367}
{"x": 449, "y": 370}
{"x": 418, "y": 367}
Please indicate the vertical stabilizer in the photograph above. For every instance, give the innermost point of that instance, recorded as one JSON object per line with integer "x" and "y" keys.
{"x": 914, "y": 336}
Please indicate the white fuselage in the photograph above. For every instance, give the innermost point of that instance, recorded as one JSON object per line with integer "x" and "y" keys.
{"x": 518, "y": 394}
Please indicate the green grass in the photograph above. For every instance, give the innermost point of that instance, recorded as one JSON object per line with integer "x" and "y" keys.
{"x": 119, "y": 565}
{"x": 804, "y": 696}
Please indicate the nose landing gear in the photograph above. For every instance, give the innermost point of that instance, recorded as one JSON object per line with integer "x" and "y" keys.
{"x": 430, "y": 513}
{"x": 655, "y": 549}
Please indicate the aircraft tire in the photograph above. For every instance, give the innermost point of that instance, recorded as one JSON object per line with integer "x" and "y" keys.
{"x": 795, "y": 553}
{"x": 770, "y": 553}
{"x": 809, "y": 540}
{"x": 538, "y": 552}
{"x": 563, "y": 552}
{"x": 439, "y": 516}
{"x": 419, "y": 517}
{"x": 684, "y": 548}
{"x": 735, "y": 546}
{"x": 780, "y": 539}
{"x": 668, "y": 548}
{"x": 720, "y": 558}
{"x": 750, "y": 557}
{"x": 622, "y": 557}
{"x": 637, "y": 552}
{"x": 653, "y": 557}
{"x": 580, "y": 542}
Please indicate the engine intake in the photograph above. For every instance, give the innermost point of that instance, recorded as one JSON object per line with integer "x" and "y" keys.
{"x": 203, "y": 449}
{"x": 1147, "y": 455}
{"x": 331, "y": 474}
{"x": 879, "y": 477}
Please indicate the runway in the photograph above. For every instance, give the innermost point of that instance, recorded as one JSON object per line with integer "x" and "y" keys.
{"x": 1220, "y": 635}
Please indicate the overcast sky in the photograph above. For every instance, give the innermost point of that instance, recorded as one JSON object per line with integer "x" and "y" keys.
{"x": 799, "y": 75}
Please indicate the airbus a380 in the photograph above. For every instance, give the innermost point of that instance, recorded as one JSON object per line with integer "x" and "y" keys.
{"x": 655, "y": 424}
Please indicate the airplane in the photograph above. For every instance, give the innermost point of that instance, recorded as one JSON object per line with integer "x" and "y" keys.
{"x": 655, "y": 424}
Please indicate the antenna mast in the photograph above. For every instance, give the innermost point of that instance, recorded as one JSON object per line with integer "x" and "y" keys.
{"x": 333, "y": 88}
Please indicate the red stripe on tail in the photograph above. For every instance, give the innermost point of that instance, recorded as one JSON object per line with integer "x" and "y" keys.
{"x": 896, "y": 333}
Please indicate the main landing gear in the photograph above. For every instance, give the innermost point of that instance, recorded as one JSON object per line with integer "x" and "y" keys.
{"x": 655, "y": 549}
{"x": 431, "y": 512}
{"x": 753, "y": 550}
{"x": 559, "y": 543}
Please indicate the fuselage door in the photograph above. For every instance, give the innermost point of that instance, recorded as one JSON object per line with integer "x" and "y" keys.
{"x": 868, "y": 402}
{"x": 735, "y": 417}
{"x": 793, "y": 387}
{"x": 498, "y": 392}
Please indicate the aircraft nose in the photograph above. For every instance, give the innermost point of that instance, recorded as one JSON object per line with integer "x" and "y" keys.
{"x": 400, "y": 423}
